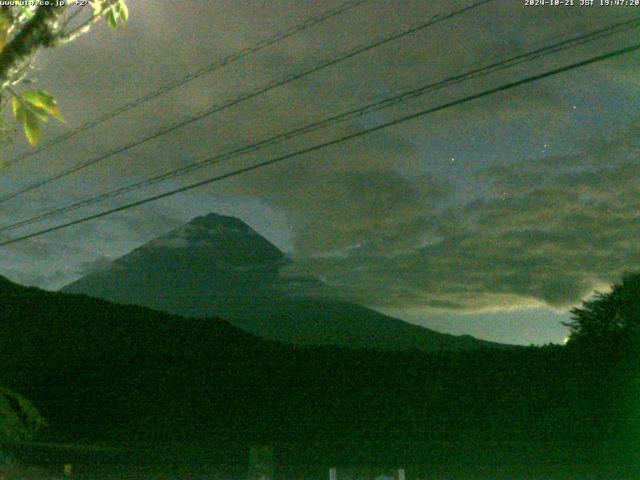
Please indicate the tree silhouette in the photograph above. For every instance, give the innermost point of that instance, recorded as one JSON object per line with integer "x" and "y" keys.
{"x": 610, "y": 319}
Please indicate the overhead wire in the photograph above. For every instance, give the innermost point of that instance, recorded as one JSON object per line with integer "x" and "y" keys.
{"x": 244, "y": 97}
{"x": 339, "y": 118}
{"x": 336, "y": 141}
{"x": 228, "y": 60}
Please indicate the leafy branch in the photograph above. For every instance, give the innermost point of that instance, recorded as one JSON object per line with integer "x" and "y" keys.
{"x": 32, "y": 107}
{"x": 24, "y": 30}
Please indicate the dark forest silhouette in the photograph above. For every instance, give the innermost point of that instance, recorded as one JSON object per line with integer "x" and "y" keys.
{"x": 121, "y": 374}
{"x": 610, "y": 320}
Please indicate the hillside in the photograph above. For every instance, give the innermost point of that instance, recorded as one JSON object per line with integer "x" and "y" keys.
{"x": 104, "y": 372}
{"x": 219, "y": 266}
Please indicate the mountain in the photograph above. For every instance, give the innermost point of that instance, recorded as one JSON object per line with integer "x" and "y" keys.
{"x": 218, "y": 266}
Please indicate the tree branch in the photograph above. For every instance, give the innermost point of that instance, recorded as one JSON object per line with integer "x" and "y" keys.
{"x": 86, "y": 25}
{"x": 37, "y": 32}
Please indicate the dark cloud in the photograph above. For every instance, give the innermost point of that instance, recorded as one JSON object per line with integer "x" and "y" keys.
{"x": 555, "y": 232}
{"x": 518, "y": 199}
{"x": 372, "y": 211}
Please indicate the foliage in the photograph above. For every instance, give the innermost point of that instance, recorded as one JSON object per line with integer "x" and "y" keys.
{"x": 26, "y": 29}
{"x": 19, "y": 419}
{"x": 31, "y": 107}
{"x": 119, "y": 13}
{"x": 610, "y": 319}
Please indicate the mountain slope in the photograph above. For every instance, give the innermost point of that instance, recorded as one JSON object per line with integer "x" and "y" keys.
{"x": 219, "y": 266}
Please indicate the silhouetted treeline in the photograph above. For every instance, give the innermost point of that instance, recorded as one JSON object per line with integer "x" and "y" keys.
{"x": 102, "y": 372}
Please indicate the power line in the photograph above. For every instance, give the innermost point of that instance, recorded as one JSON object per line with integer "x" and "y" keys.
{"x": 232, "y": 58}
{"x": 304, "y": 151}
{"x": 246, "y": 96}
{"x": 339, "y": 118}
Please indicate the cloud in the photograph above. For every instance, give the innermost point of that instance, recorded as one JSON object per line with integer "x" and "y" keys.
{"x": 100, "y": 264}
{"x": 455, "y": 211}
{"x": 552, "y": 231}
{"x": 359, "y": 210}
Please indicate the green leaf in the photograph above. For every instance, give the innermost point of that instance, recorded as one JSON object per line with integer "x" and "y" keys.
{"x": 18, "y": 109}
{"x": 124, "y": 11}
{"x": 118, "y": 12}
{"x": 111, "y": 18}
{"x": 43, "y": 102}
{"x": 38, "y": 97}
{"x": 39, "y": 112}
{"x": 32, "y": 129}
{"x": 54, "y": 111}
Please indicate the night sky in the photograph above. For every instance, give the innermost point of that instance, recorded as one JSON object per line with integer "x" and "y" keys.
{"x": 491, "y": 218}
